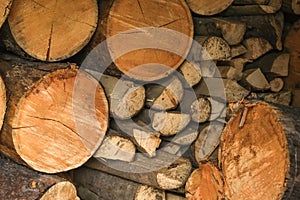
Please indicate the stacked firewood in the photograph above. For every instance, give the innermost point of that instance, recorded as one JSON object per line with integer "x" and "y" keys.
{"x": 149, "y": 99}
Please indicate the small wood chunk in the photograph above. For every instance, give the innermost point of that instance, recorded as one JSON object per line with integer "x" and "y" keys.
{"x": 256, "y": 47}
{"x": 165, "y": 95}
{"x": 200, "y": 110}
{"x": 206, "y": 182}
{"x": 50, "y": 30}
{"x": 237, "y": 50}
{"x": 115, "y": 147}
{"x": 215, "y": 48}
{"x": 256, "y": 79}
{"x": 151, "y": 53}
{"x": 280, "y": 65}
{"x": 207, "y": 7}
{"x": 170, "y": 123}
{"x": 191, "y": 72}
{"x": 276, "y": 84}
{"x": 229, "y": 72}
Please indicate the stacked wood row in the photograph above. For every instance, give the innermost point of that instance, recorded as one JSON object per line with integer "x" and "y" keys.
{"x": 145, "y": 107}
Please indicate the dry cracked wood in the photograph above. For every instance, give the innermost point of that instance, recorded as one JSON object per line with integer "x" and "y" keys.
{"x": 53, "y": 30}
{"x": 4, "y": 10}
{"x": 207, "y": 7}
{"x": 56, "y": 115}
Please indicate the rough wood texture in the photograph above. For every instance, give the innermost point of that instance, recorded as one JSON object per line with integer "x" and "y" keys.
{"x": 207, "y": 7}
{"x": 206, "y": 182}
{"x": 50, "y": 121}
{"x": 2, "y": 101}
{"x": 231, "y": 30}
{"x": 238, "y": 50}
{"x": 256, "y": 79}
{"x": 53, "y": 30}
{"x": 100, "y": 185}
{"x": 256, "y": 47}
{"x": 276, "y": 85}
{"x": 291, "y": 6}
{"x": 156, "y": 55}
{"x": 259, "y": 153}
{"x": 165, "y": 171}
{"x": 4, "y": 10}
{"x": 19, "y": 182}
{"x": 269, "y": 27}
{"x": 200, "y": 110}
{"x": 191, "y": 73}
{"x": 255, "y": 9}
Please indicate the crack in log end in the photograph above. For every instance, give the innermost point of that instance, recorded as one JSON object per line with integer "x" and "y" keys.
{"x": 171, "y": 22}
{"x": 37, "y": 3}
{"x": 49, "y": 43}
{"x": 141, "y": 9}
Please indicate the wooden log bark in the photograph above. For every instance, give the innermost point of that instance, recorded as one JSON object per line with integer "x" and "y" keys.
{"x": 19, "y": 182}
{"x": 231, "y": 30}
{"x": 255, "y": 9}
{"x": 208, "y": 8}
{"x": 99, "y": 185}
{"x": 151, "y": 54}
{"x": 260, "y": 142}
{"x": 50, "y": 123}
{"x": 205, "y": 182}
{"x": 52, "y": 31}
{"x": 291, "y": 6}
{"x": 165, "y": 171}
{"x": 4, "y": 10}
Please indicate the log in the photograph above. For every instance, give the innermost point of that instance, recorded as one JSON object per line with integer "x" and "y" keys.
{"x": 191, "y": 73}
{"x": 260, "y": 142}
{"x": 275, "y": 63}
{"x": 256, "y": 47}
{"x": 146, "y": 139}
{"x": 200, "y": 110}
{"x": 52, "y": 31}
{"x": 149, "y": 53}
{"x": 207, "y": 7}
{"x": 19, "y": 182}
{"x": 4, "y": 10}
{"x": 276, "y": 85}
{"x": 115, "y": 147}
{"x": 214, "y": 48}
{"x": 231, "y": 30}
{"x": 269, "y": 27}
{"x": 164, "y": 95}
{"x": 291, "y": 6}
{"x": 94, "y": 184}
{"x": 50, "y": 122}
{"x": 255, "y": 9}
{"x": 205, "y": 182}
{"x": 256, "y": 79}
{"x": 296, "y": 97}
{"x": 165, "y": 171}
{"x": 125, "y": 97}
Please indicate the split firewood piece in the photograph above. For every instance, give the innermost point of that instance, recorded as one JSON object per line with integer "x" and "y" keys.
{"x": 269, "y": 27}
{"x": 292, "y": 44}
{"x": 4, "y": 10}
{"x": 207, "y": 141}
{"x": 125, "y": 97}
{"x": 276, "y": 63}
{"x": 237, "y": 50}
{"x": 291, "y": 6}
{"x": 50, "y": 100}
{"x": 164, "y": 95}
{"x": 206, "y": 182}
{"x": 200, "y": 110}
{"x": 115, "y": 147}
{"x": 65, "y": 30}
{"x": 146, "y": 139}
{"x": 256, "y": 79}
{"x": 231, "y": 30}
{"x": 276, "y": 85}
{"x": 19, "y": 182}
{"x": 256, "y": 47}
{"x": 214, "y": 48}
{"x": 208, "y": 8}
{"x": 283, "y": 97}
{"x": 261, "y": 140}
{"x": 94, "y": 183}
{"x": 191, "y": 73}
{"x": 2, "y": 101}
{"x": 170, "y": 123}
{"x": 255, "y": 9}
{"x": 224, "y": 89}
{"x": 164, "y": 171}
{"x": 239, "y": 63}
{"x": 229, "y": 72}
{"x": 151, "y": 53}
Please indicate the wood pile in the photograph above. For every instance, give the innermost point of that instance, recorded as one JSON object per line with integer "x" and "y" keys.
{"x": 150, "y": 99}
